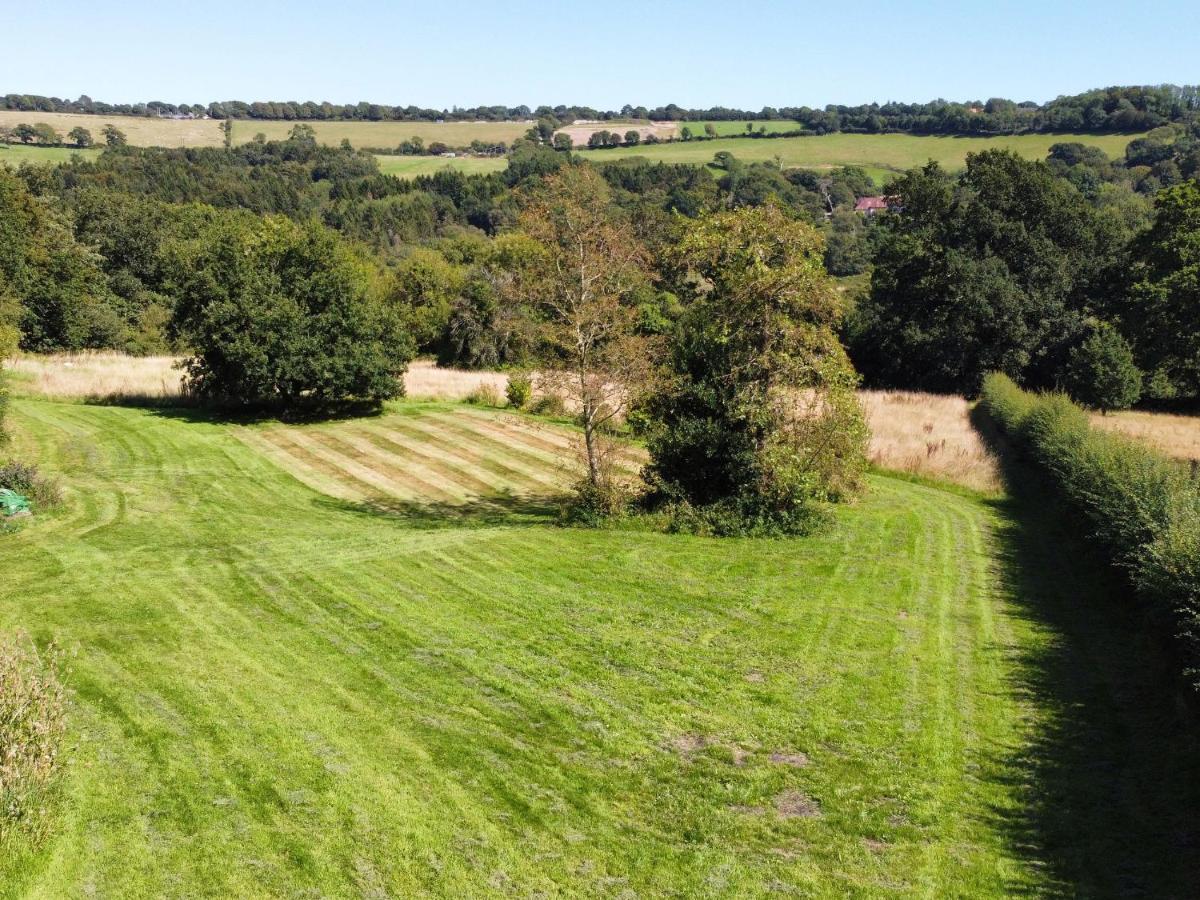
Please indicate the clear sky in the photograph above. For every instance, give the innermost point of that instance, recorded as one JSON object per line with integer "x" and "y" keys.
{"x": 742, "y": 53}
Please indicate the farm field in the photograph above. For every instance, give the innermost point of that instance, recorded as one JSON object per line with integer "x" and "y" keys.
{"x": 141, "y": 131}
{"x": 282, "y": 688}
{"x": 412, "y": 166}
{"x": 15, "y": 154}
{"x": 385, "y": 134}
{"x": 734, "y": 128}
{"x": 894, "y": 152}
{"x": 144, "y": 131}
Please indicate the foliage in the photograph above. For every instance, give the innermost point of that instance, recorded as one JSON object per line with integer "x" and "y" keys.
{"x": 587, "y": 266}
{"x": 41, "y": 490}
{"x": 519, "y": 390}
{"x": 286, "y": 316}
{"x": 995, "y": 270}
{"x": 484, "y": 395}
{"x": 33, "y": 706}
{"x": 1161, "y": 309}
{"x": 1142, "y": 509}
{"x": 1101, "y": 372}
{"x": 759, "y": 421}
{"x": 65, "y": 303}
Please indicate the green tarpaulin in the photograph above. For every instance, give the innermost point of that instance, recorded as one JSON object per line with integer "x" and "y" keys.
{"x": 12, "y": 503}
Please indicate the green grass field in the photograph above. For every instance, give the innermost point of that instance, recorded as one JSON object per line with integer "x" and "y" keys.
{"x": 15, "y": 154}
{"x": 411, "y": 166}
{"x": 734, "y": 128}
{"x": 359, "y": 659}
{"x": 891, "y": 152}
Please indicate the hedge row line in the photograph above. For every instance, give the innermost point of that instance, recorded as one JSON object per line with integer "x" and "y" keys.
{"x": 1140, "y": 507}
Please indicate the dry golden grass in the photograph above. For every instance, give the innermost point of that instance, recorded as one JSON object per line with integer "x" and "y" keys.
{"x": 427, "y": 381}
{"x": 82, "y": 376}
{"x": 929, "y": 435}
{"x": 1177, "y": 436}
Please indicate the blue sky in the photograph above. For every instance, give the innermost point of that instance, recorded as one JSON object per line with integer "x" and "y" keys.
{"x": 744, "y": 53}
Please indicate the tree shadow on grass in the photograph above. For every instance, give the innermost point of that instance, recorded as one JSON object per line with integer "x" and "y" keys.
{"x": 192, "y": 413}
{"x": 482, "y": 512}
{"x": 1110, "y": 776}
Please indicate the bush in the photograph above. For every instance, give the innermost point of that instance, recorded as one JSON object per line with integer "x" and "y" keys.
{"x": 27, "y": 481}
{"x": 593, "y": 505}
{"x": 484, "y": 395}
{"x": 519, "y": 390}
{"x": 32, "y": 724}
{"x": 549, "y": 404}
{"x": 1141, "y": 508}
{"x": 1101, "y": 373}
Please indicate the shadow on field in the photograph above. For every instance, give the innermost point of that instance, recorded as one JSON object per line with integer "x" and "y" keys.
{"x": 213, "y": 413}
{"x": 1110, "y": 775}
{"x": 485, "y": 512}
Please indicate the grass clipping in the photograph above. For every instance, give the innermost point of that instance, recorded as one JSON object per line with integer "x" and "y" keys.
{"x": 32, "y": 724}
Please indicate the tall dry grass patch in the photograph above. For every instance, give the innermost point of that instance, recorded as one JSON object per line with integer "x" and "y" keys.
{"x": 426, "y": 380}
{"x": 118, "y": 377}
{"x": 97, "y": 376}
{"x": 929, "y": 435}
{"x": 1177, "y": 436}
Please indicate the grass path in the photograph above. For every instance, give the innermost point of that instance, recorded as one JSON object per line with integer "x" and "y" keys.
{"x": 283, "y": 692}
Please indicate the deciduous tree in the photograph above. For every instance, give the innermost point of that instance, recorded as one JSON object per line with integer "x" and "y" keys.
{"x": 760, "y": 425}
{"x": 581, "y": 280}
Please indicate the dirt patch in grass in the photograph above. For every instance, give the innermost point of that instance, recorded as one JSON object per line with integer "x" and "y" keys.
{"x": 688, "y": 745}
{"x": 796, "y": 805}
{"x": 798, "y": 760}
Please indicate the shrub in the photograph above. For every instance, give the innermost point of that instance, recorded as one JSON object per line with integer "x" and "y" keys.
{"x": 26, "y": 480}
{"x": 549, "y": 404}
{"x": 593, "y": 504}
{"x": 1101, "y": 373}
{"x": 484, "y": 395}
{"x": 1141, "y": 508}
{"x": 519, "y": 390}
{"x": 32, "y": 723}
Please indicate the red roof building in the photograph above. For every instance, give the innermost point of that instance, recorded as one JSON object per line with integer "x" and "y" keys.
{"x": 871, "y": 205}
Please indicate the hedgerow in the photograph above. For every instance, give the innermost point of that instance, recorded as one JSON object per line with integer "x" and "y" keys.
{"x": 1141, "y": 508}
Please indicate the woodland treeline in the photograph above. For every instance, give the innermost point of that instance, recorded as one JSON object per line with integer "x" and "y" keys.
{"x": 1043, "y": 270}
{"x": 1119, "y": 109}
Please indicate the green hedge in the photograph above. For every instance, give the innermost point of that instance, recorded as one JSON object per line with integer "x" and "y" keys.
{"x": 1142, "y": 508}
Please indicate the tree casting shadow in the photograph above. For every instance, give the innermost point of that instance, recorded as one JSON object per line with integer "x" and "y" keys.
{"x": 1110, "y": 777}
{"x": 484, "y": 512}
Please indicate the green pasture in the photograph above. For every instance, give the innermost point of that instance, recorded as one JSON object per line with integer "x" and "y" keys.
{"x": 877, "y": 152}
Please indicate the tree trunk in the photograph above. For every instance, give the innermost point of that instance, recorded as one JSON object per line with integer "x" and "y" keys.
{"x": 589, "y": 441}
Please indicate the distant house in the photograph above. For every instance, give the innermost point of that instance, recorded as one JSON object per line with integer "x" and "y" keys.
{"x": 868, "y": 206}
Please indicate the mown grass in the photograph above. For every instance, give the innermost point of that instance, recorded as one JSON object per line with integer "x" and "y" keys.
{"x": 278, "y": 691}
{"x": 893, "y": 152}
